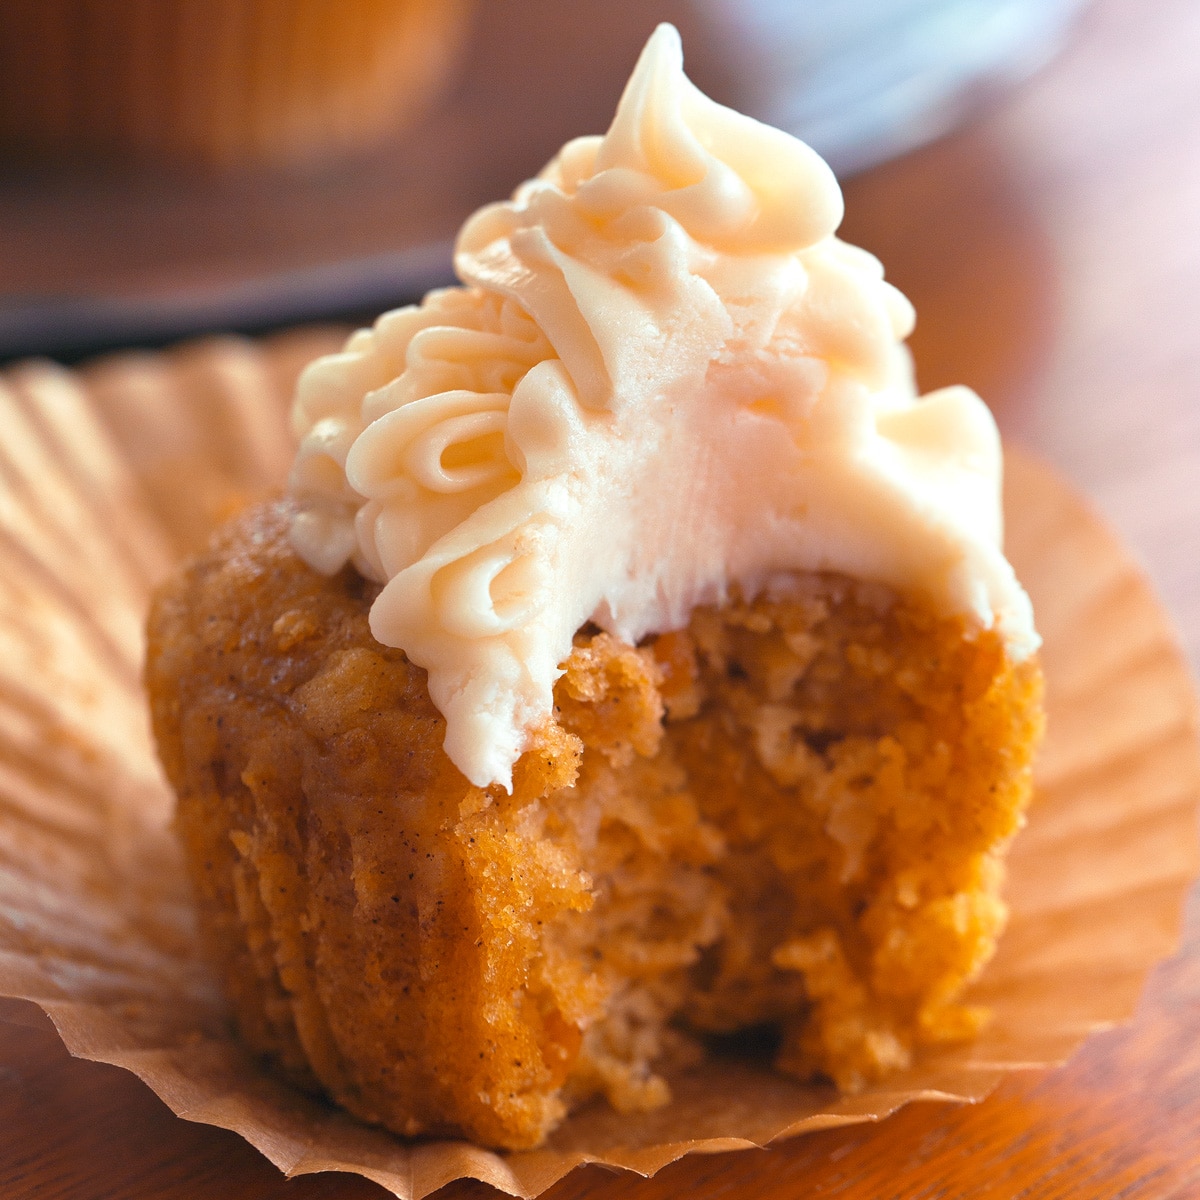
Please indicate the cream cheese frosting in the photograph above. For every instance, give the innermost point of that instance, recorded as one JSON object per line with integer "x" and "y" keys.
{"x": 664, "y": 376}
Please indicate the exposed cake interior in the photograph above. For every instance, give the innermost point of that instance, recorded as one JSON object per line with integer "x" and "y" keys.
{"x": 789, "y": 814}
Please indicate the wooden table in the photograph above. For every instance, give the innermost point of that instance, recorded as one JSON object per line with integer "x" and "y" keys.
{"x": 1053, "y": 252}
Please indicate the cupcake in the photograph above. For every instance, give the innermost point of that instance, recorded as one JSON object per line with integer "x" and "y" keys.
{"x": 218, "y": 82}
{"x": 633, "y": 661}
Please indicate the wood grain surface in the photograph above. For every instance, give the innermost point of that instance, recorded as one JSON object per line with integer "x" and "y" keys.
{"x": 1053, "y": 252}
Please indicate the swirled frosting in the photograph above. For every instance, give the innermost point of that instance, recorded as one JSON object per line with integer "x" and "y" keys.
{"x": 664, "y": 376}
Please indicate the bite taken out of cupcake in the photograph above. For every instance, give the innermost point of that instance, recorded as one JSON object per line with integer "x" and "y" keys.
{"x": 634, "y": 659}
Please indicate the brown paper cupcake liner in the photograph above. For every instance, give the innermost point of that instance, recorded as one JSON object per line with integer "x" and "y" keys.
{"x": 110, "y": 474}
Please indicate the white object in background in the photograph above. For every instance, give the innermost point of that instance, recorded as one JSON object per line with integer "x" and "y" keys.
{"x": 864, "y": 80}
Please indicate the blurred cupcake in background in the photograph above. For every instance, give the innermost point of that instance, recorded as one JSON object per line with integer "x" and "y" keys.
{"x": 219, "y": 83}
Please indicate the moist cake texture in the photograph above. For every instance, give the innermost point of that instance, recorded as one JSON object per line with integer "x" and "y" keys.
{"x": 790, "y": 813}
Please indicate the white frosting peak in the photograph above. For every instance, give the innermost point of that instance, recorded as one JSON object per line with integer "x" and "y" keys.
{"x": 730, "y": 181}
{"x": 665, "y": 376}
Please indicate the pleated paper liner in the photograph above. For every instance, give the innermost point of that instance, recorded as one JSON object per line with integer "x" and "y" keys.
{"x": 108, "y": 475}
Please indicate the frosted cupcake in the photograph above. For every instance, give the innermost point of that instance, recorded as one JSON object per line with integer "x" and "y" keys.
{"x": 634, "y": 660}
